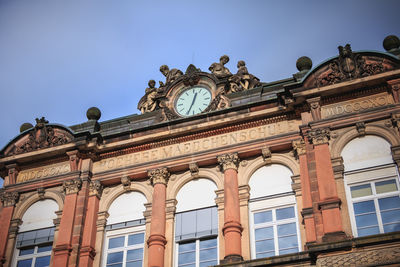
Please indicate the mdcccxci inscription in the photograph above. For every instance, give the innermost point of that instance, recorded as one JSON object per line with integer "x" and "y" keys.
{"x": 356, "y": 105}
{"x": 195, "y": 146}
{"x": 43, "y": 172}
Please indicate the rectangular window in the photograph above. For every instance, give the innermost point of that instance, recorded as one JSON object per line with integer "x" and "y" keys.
{"x": 198, "y": 253}
{"x": 125, "y": 250}
{"x": 376, "y": 207}
{"x": 34, "y": 256}
{"x": 275, "y": 232}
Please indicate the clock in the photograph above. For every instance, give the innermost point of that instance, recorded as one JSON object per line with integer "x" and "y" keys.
{"x": 192, "y": 101}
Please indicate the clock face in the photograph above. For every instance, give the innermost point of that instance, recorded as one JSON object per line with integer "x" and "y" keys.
{"x": 193, "y": 101}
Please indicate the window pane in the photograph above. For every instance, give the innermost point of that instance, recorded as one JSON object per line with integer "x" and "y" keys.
{"x": 366, "y": 220}
{"x": 391, "y": 227}
{"x": 368, "y": 231}
{"x": 208, "y": 243}
{"x": 134, "y": 254}
{"x": 265, "y": 254}
{"x": 364, "y": 207}
{"x": 25, "y": 251}
{"x": 389, "y": 203}
{"x": 390, "y": 216}
{"x": 116, "y": 242}
{"x": 115, "y": 265}
{"x": 287, "y": 229}
{"x": 115, "y": 257}
{"x": 361, "y": 190}
{"x": 208, "y": 263}
{"x": 208, "y": 254}
{"x": 285, "y": 213}
{"x": 287, "y": 242}
{"x": 188, "y": 224}
{"x": 261, "y": 217}
{"x": 134, "y": 264}
{"x": 42, "y": 261}
{"x": 24, "y": 263}
{"x": 44, "y": 248}
{"x": 136, "y": 239}
{"x": 187, "y": 247}
{"x": 265, "y": 245}
{"x": 187, "y": 257}
{"x": 264, "y": 233}
{"x": 287, "y": 251}
{"x": 386, "y": 186}
{"x": 204, "y": 222}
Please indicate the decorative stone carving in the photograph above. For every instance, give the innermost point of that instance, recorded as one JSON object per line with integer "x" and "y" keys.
{"x": 267, "y": 155}
{"x": 8, "y": 198}
{"x": 191, "y": 76}
{"x": 95, "y": 188}
{"x": 72, "y": 186}
{"x": 219, "y": 102}
{"x": 42, "y": 136}
{"x": 148, "y": 102}
{"x": 219, "y": 69}
{"x": 41, "y": 191}
{"x": 194, "y": 168}
{"x": 159, "y": 176}
{"x": 360, "y": 126}
{"x": 395, "y": 86}
{"x": 315, "y": 107}
{"x": 228, "y": 161}
{"x": 299, "y": 147}
{"x": 348, "y": 66}
{"x": 395, "y": 120}
{"x": 126, "y": 182}
{"x": 318, "y": 136}
{"x": 170, "y": 75}
{"x": 242, "y": 80}
{"x": 74, "y": 158}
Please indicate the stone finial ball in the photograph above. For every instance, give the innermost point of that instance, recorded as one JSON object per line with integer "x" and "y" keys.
{"x": 303, "y": 63}
{"x": 93, "y": 113}
{"x": 25, "y": 126}
{"x": 391, "y": 42}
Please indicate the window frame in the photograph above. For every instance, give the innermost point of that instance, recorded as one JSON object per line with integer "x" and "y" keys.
{"x": 374, "y": 196}
{"x": 123, "y": 232}
{"x": 33, "y": 255}
{"x": 267, "y": 203}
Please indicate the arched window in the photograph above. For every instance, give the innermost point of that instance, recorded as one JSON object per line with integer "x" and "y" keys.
{"x": 196, "y": 224}
{"x": 273, "y": 215}
{"x": 372, "y": 186}
{"x": 36, "y": 234}
{"x": 125, "y": 231}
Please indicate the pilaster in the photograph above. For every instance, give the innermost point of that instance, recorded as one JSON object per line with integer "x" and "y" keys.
{"x": 8, "y": 200}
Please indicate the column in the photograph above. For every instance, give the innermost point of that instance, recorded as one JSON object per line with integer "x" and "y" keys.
{"x": 63, "y": 247}
{"x": 156, "y": 241}
{"x": 329, "y": 202}
{"x": 8, "y": 199}
{"x": 87, "y": 251}
{"x": 232, "y": 229}
{"x": 307, "y": 211}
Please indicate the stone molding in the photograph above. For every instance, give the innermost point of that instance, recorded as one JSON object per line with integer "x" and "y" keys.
{"x": 307, "y": 213}
{"x": 315, "y": 107}
{"x": 102, "y": 220}
{"x": 333, "y": 203}
{"x": 9, "y": 199}
{"x": 170, "y": 208}
{"x": 228, "y": 161}
{"x": 159, "y": 176}
{"x": 14, "y": 227}
{"x": 296, "y": 185}
{"x": 95, "y": 188}
{"x": 72, "y": 186}
{"x": 74, "y": 157}
{"x": 318, "y": 136}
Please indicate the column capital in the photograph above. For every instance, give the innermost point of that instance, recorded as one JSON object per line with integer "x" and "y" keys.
{"x": 299, "y": 147}
{"x": 159, "y": 176}
{"x": 9, "y": 199}
{"x": 318, "y": 136}
{"x": 72, "y": 186}
{"x": 95, "y": 188}
{"x": 228, "y": 161}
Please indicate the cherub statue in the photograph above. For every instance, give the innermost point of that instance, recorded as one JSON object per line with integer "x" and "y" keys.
{"x": 170, "y": 75}
{"x": 148, "y": 102}
{"x": 219, "y": 69}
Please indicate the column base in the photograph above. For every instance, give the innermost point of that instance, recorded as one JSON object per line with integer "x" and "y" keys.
{"x": 334, "y": 236}
{"x": 231, "y": 259}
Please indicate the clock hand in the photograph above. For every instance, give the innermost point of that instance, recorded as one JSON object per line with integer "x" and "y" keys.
{"x": 194, "y": 99}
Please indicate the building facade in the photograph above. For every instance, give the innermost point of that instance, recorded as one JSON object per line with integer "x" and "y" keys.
{"x": 219, "y": 169}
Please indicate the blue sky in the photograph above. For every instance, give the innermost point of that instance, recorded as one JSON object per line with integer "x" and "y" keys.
{"x": 58, "y": 58}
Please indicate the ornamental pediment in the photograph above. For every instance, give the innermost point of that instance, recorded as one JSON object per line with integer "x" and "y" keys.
{"x": 195, "y": 91}
{"x": 42, "y": 135}
{"x": 349, "y": 65}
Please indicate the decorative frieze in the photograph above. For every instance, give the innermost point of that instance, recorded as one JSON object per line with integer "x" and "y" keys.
{"x": 159, "y": 176}
{"x": 9, "y": 199}
{"x": 43, "y": 172}
{"x": 72, "y": 186}
{"x": 95, "y": 188}
{"x": 318, "y": 136}
{"x": 228, "y": 161}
